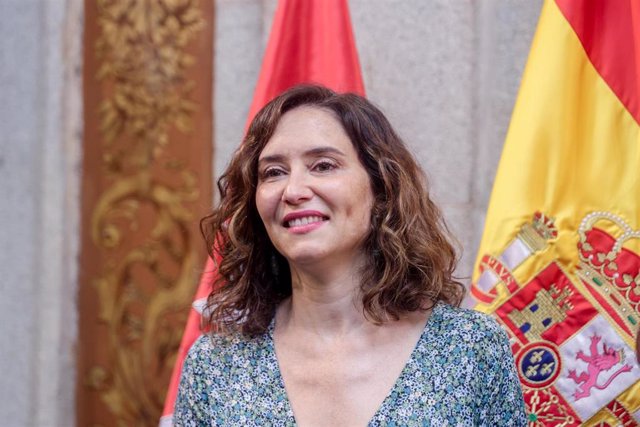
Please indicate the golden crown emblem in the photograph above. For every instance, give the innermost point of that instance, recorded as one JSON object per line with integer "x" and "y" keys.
{"x": 608, "y": 266}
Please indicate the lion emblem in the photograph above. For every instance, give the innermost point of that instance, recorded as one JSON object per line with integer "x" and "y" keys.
{"x": 597, "y": 363}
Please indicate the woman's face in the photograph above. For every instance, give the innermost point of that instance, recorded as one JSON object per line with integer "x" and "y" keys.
{"x": 313, "y": 195}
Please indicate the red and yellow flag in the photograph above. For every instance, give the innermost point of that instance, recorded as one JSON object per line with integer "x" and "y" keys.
{"x": 559, "y": 261}
{"x": 310, "y": 42}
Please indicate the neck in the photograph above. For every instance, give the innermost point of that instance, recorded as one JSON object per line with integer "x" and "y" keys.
{"x": 324, "y": 301}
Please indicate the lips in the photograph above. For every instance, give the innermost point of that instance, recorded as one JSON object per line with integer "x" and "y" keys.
{"x": 303, "y": 218}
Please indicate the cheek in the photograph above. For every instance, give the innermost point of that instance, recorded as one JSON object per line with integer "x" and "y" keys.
{"x": 266, "y": 203}
{"x": 261, "y": 203}
{"x": 361, "y": 202}
{"x": 367, "y": 208}
{"x": 364, "y": 194}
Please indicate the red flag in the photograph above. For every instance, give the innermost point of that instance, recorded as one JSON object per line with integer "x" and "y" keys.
{"x": 310, "y": 42}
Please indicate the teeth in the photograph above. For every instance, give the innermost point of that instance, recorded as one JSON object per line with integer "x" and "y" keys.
{"x": 303, "y": 221}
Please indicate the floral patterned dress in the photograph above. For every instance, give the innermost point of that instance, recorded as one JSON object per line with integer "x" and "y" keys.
{"x": 461, "y": 373}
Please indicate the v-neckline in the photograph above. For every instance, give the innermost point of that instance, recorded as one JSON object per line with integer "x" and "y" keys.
{"x": 398, "y": 382}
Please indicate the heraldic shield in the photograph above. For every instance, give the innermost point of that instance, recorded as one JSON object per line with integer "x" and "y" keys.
{"x": 572, "y": 329}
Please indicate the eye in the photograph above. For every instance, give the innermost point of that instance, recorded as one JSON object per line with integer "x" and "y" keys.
{"x": 272, "y": 172}
{"x": 324, "y": 166}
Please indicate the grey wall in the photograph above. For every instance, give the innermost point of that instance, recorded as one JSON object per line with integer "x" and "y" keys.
{"x": 446, "y": 72}
{"x": 40, "y": 87}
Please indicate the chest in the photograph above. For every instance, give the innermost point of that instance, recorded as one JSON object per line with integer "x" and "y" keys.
{"x": 354, "y": 385}
{"x": 342, "y": 385}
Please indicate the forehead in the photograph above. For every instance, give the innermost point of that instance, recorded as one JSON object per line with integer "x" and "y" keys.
{"x": 305, "y": 128}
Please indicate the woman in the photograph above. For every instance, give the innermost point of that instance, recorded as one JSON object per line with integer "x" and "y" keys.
{"x": 336, "y": 304}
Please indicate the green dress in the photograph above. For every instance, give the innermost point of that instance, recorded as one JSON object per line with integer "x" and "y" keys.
{"x": 461, "y": 373}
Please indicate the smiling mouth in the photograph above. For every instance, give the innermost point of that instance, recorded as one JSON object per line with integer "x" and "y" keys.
{"x": 305, "y": 220}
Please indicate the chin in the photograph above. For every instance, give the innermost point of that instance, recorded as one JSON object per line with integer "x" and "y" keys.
{"x": 305, "y": 256}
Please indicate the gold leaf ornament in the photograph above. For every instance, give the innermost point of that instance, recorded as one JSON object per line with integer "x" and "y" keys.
{"x": 141, "y": 222}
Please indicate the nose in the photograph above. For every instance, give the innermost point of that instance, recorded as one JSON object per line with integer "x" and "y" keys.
{"x": 297, "y": 189}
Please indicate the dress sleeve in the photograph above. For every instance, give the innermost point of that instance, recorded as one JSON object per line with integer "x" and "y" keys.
{"x": 503, "y": 403}
{"x": 193, "y": 397}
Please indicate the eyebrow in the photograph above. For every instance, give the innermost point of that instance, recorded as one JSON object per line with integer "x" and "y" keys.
{"x": 318, "y": 151}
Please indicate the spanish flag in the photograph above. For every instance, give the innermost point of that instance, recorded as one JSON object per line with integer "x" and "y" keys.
{"x": 310, "y": 42}
{"x": 559, "y": 261}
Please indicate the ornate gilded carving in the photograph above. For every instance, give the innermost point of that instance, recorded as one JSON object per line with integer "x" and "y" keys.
{"x": 141, "y": 221}
{"x": 142, "y": 52}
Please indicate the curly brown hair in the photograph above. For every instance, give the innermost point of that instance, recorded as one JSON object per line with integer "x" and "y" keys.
{"x": 410, "y": 257}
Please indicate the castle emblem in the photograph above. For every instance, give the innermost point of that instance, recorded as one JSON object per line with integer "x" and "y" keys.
{"x": 548, "y": 308}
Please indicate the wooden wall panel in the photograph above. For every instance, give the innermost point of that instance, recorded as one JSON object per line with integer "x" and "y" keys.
{"x": 146, "y": 182}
